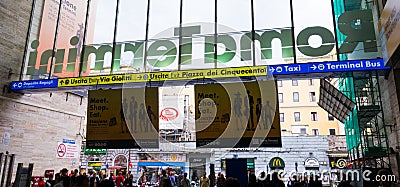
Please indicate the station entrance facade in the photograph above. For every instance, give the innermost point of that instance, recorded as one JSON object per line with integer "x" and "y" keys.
{"x": 223, "y": 80}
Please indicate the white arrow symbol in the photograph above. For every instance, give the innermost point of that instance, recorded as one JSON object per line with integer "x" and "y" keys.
{"x": 14, "y": 85}
{"x": 271, "y": 69}
{"x": 314, "y": 67}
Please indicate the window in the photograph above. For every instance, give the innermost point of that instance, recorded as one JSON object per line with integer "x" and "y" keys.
{"x": 303, "y": 131}
{"x": 297, "y": 116}
{"x": 332, "y": 131}
{"x": 295, "y": 96}
{"x": 314, "y": 116}
{"x": 315, "y": 132}
{"x": 280, "y": 97}
{"x": 311, "y": 82}
{"x": 313, "y": 98}
{"x": 295, "y": 83}
{"x": 330, "y": 117}
{"x": 279, "y": 83}
{"x": 281, "y": 117}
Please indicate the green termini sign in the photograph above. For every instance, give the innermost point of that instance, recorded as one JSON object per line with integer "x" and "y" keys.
{"x": 356, "y": 26}
{"x": 95, "y": 151}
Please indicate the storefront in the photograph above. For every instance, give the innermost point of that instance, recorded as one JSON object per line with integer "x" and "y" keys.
{"x": 93, "y": 160}
{"x": 197, "y": 168}
{"x": 151, "y": 163}
{"x": 312, "y": 164}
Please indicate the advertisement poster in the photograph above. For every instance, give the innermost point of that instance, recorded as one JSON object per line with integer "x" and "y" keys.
{"x": 171, "y": 112}
{"x": 237, "y": 115}
{"x": 390, "y": 26}
{"x": 122, "y": 118}
{"x": 69, "y": 41}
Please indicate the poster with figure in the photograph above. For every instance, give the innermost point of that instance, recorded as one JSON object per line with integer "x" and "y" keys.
{"x": 237, "y": 115}
{"x": 71, "y": 19}
{"x": 122, "y": 118}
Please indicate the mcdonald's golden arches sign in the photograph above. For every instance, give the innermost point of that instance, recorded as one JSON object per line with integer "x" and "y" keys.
{"x": 276, "y": 163}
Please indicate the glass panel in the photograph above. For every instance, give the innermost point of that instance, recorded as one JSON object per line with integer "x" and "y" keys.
{"x": 70, "y": 39}
{"x": 295, "y": 83}
{"x": 270, "y": 14}
{"x": 131, "y": 31}
{"x": 279, "y": 83}
{"x": 280, "y": 95}
{"x": 132, "y": 18}
{"x": 196, "y": 13}
{"x": 164, "y": 17}
{"x": 315, "y": 40}
{"x": 233, "y": 15}
{"x": 295, "y": 96}
{"x": 42, "y": 37}
{"x": 41, "y": 40}
{"x": 197, "y": 19}
{"x": 100, "y": 36}
{"x": 356, "y": 30}
{"x": 297, "y": 116}
{"x": 162, "y": 55}
{"x": 312, "y": 97}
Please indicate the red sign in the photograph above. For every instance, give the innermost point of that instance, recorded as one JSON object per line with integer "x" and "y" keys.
{"x": 168, "y": 114}
{"x": 38, "y": 181}
{"x": 61, "y": 150}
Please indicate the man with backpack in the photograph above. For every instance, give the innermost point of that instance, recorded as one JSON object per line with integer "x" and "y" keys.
{"x": 185, "y": 181}
{"x": 165, "y": 181}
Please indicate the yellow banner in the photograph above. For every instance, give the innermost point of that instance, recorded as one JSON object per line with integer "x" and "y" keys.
{"x": 123, "y": 118}
{"x": 237, "y": 115}
{"x": 164, "y": 76}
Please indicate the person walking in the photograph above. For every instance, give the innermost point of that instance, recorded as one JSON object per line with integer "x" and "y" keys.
{"x": 128, "y": 181}
{"x": 220, "y": 180}
{"x": 143, "y": 179}
{"x": 185, "y": 181}
{"x": 252, "y": 181}
{"x": 94, "y": 180}
{"x": 119, "y": 180}
{"x": 204, "y": 181}
{"x": 165, "y": 181}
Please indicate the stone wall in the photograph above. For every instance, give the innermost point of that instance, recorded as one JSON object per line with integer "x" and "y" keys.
{"x": 295, "y": 149}
{"x": 36, "y": 122}
{"x": 390, "y": 102}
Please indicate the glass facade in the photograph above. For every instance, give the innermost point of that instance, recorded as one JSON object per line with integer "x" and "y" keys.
{"x": 82, "y": 38}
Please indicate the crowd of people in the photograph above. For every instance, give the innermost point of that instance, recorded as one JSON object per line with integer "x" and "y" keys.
{"x": 92, "y": 179}
{"x": 171, "y": 179}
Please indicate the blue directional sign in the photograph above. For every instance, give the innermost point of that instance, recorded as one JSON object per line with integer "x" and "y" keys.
{"x": 327, "y": 67}
{"x": 34, "y": 84}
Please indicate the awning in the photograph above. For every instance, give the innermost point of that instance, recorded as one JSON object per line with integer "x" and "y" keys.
{"x": 161, "y": 164}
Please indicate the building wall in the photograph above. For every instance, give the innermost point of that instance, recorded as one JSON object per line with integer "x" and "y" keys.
{"x": 305, "y": 107}
{"x": 35, "y": 122}
{"x": 390, "y": 103}
{"x": 295, "y": 149}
